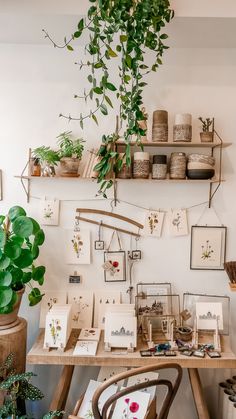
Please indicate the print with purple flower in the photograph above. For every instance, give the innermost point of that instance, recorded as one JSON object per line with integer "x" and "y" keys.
{"x": 130, "y": 409}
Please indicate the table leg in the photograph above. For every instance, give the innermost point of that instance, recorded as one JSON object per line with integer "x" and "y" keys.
{"x": 60, "y": 395}
{"x": 198, "y": 395}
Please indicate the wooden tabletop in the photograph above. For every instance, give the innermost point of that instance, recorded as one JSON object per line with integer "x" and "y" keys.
{"x": 119, "y": 357}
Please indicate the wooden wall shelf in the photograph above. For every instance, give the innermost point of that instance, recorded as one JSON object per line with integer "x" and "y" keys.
{"x": 168, "y": 144}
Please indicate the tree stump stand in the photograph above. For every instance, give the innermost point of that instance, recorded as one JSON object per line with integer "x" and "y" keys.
{"x": 14, "y": 340}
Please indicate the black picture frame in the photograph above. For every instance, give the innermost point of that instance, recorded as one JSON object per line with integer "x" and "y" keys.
{"x": 207, "y": 248}
{"x": 110, "y": 255}
{"x": 99, "y": 245}
{"x": 136, "y": 255}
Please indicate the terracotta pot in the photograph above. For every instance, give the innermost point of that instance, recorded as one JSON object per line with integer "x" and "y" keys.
{"x": 69, "y": 167}
{"x": 206, "y": 137}
{"x": 9, "y": 320}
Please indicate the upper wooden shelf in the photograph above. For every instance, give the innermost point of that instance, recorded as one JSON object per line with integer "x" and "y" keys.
{"x": 176, "y": 144}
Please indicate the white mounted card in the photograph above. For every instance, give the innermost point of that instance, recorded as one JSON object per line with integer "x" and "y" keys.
{"x": 77, "y": 247}
{"x": 132, "y": 406}
{"x": 85, "y": 410}
{"x": 56, "y": 330}
{"x": 49, "y": 212}
{"x": 102, "y": 300}
{"x": 82, "y": 307}
{"x": 107, "y": 372}
{"x": 153, "y": 223}
{"x": 91, "y": 333}
{"x": 49, "y": 299}
{"x": 178, "y": 223}
{"x": 120, "y": 330}
{"x": 207, "y": 313}
{"x": 144, "y": 378}
{"x": 85, "y": 348}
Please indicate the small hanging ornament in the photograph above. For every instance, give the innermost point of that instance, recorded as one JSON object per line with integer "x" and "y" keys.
{"x": 136, "y": 254}
{"x": 99, "y": 244}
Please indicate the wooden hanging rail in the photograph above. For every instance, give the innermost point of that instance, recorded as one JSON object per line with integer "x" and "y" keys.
{"x": 109, "y": 214}
{"x": 121, "y": 230}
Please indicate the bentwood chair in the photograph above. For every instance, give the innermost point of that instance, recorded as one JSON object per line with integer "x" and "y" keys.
{"x": 172, "y": 388}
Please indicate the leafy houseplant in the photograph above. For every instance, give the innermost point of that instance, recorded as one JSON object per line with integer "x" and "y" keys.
{"x": 48, "y": 158}
{"x": 123, "y": 30}
{"x": 70, "y": 153}
{"x": 16, "y": 388}
{"x": 20, "y": 239}
{"x": 206, "y": 135}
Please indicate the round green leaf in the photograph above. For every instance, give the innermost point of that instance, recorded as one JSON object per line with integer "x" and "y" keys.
{"x": 7, "y": 309}
{"x": 35, "y": 251}
{"x": 4, "y": 262}
{"x": 16, "y": 275}
{"x": 17, "y": 240}
{"x": 22, "y": 226}
{"x": 5, "y": 278}
{"x": 26, "y": 277}
{"x": 39, "y": 238}
{"x": 38, "y": 273}
{"x": 2, "y": 237}
{"x": 35, "y": 296}
{"x": 15, "y": 212}
{"x": 36, "y": 226}
{"x": 25, "y": 259}
{"x": 5, "y": 296}
{"x": 12, "y": 250}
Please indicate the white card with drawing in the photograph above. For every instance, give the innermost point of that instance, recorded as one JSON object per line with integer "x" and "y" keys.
{"x": 49, "y": 212}
{"x": 208, "y": 314}
{"x": 102, "y": 300}
{"x": 108, "y": 372}
{"x": 82, "y": 307}
{"x": 86, "y": 348}
{"x": 132, "y": 406}
{"x": 77, "y": 247}
{"x": 153, "y": 223}
{"x": 144, "y": 378}
{"x": 120, "y": 330}
{"x": 91, "y": 333}
{"x": 49, "y": 299}
{"x": 178, "y": 223}
{"x": 85, "y": 410}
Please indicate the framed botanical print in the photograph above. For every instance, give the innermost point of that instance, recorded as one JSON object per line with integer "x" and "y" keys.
{"x": 114, "y": 266}
{"x": 208, "y": 247}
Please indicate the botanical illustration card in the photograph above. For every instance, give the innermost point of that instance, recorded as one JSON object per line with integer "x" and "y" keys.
{"x": 102, "y": 300}
{"x": 56, "y": 330}
{"x": 86, "y": 348}
{"x": 208, "y": 244}
{"x": 114, "y": 266}
{"x": 208, "y": 314}
{"x": 91, "y": 333}
{"x": 82, "y": 308}
{"x": 85, "y": 411}
{"x": 50, "y": 298}
{"x": 132, "y": 406}
{"x": 107, "y": 372}
{"x": 144, "y": 378}
{"x": 120, "y": 330}
{"x": 77, "y": 248}
{"x": 49, "y": 212}
{"x": 153, "y": 223}
{"x": 178, "y": 223}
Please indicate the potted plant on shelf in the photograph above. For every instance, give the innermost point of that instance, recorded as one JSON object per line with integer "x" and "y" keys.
{"x": 20, "y": 239}
{"x": 206, "y": 135}
{"x": 70, "y": 153}
{"x": 48, "y": 158}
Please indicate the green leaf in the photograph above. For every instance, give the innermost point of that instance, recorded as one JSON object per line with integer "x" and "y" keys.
{"x": 5, "y": 296}
{"x": 81, "y": 24}
{"x": 39, "y": 238}
{"x": 35, "y": 251}
{"x": 128, "y": 61}
{"x": 111, "y": 86}
{"x": 77, "y": 34}
{"x": 35, "y": 296}
{"x": 36, "y": 226}
{"x": 22, "y": 226}
{"x": 94, "y": 118}
{"x": 4, "y": 262}
{"x": 104, "y": 109}
{"x": 5, "y": 278}
{"x": 123, "y": 38}
{"x": 38, "y": 273}
{"x": 97, "y": 65}
{"x": 17, "y": 240}
{"x": 25, "y": 259}
{"x": 15, "y": 212}
{"x": 164, "y": 36}
{"x": 98, "y": 90}
{"x": 27, "y": 276}
{"x": 3, "y": 237}
{"x": 6, "y": 310}
{"x": 127, "y": 78}
{"x": 108, "y": 100}
{"x": 111, "y": 53}
{"x": 17, "y": 274}
{"x": 70, "y": 48}
{"x": 12, "y": 250}
{"x": 2, "y": 218}
{"x": 90, "y": 78}
{"x": 118, "y": 48}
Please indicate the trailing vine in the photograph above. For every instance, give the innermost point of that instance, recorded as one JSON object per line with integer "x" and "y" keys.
{"x": 122, "y": 30}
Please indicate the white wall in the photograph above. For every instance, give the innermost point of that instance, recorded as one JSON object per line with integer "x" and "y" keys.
{"x": 37, "y": 82}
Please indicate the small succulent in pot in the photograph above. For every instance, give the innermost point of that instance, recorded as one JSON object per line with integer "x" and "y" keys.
{"x": 206, "y": 135}
{"x": 70, "y": 153}
{"x": 20, "y": 239}
{"x": 47, "y": 158}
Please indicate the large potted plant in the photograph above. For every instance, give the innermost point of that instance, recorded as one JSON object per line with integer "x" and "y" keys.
{"x": 70, "y": 153}
{"x": 20, "y": 239}
{"x": 47, "y": 158}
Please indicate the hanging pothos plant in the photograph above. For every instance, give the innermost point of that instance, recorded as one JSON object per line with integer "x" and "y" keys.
{"x": 123, "y": 30}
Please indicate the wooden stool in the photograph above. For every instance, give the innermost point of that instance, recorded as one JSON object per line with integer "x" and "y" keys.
{"x": 14, "y": 340}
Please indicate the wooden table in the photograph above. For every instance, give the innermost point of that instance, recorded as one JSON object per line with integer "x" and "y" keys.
{"x": 38, "y": 355}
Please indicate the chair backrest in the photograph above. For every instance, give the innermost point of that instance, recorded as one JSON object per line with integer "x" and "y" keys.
{"x": 172, "y": 388}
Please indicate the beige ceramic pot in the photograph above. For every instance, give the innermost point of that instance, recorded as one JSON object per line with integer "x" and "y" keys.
{"x": 206, "y": 137}
{"x": 69, "y": 167}
{"x": 9, "y": 320}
